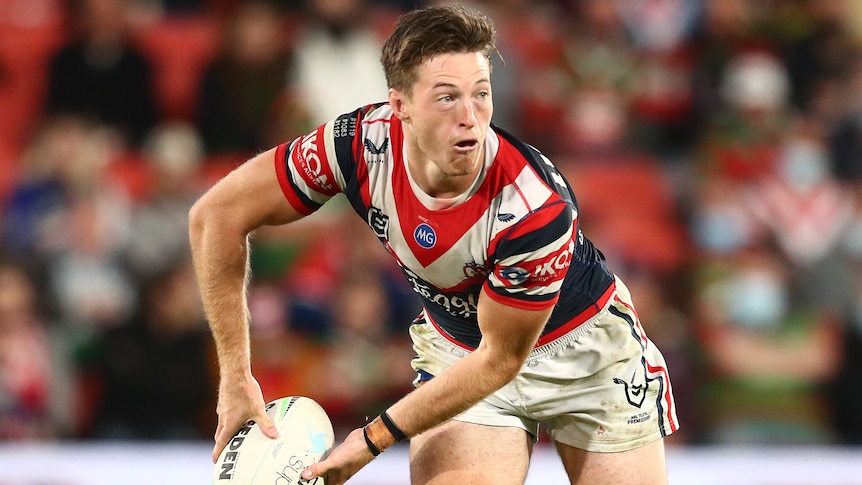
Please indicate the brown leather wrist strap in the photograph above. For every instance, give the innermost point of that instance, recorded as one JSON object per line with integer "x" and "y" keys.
{"x": 371, "y": 446}
{"x": 377, "y": 436}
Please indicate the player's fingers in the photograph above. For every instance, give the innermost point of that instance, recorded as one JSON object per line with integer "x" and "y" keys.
{"x": 313, "y": 472}
{"x": 222, "y": 436}
{"x": 266, "y": 425}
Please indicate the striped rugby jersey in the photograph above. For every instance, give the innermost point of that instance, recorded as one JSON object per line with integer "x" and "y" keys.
{"x": 515, "y": 233}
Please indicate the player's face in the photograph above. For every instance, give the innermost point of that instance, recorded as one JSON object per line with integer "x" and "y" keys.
{"x": 446, "y": 119}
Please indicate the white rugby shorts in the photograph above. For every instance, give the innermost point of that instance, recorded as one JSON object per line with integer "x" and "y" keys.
{"x": 603, "y": 386}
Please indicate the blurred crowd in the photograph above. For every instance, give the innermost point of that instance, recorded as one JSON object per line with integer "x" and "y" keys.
{"x": 715, "y": 147}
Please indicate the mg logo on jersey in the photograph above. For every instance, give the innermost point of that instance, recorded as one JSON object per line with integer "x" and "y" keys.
{"x": 425, "y": 236}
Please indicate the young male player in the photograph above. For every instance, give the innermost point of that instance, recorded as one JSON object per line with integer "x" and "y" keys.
{"x": 523, "y": 323}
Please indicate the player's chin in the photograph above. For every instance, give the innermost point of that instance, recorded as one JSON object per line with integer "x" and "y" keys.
{"x": 460, "y": 165}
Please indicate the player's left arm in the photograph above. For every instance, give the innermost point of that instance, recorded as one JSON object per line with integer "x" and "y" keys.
{"x": 508, "y": 335}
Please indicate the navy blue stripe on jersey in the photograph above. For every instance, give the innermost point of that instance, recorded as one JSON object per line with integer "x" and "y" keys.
{"x": 582, "y": 287}
{"x": 546, "y": 170}
{"x": 461, "y": 327}
{"x": 343, "y": 133}
{"x": 587, "y": 255}
{"x": 349, "y": 155}
{"x": 521, "y": 242}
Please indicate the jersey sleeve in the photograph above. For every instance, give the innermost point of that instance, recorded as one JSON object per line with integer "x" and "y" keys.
{"x": 532, "y": 260}
{"x": 315, "y": 167}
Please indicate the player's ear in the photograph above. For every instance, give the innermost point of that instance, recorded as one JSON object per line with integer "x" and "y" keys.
{"x": 398, "y": 101}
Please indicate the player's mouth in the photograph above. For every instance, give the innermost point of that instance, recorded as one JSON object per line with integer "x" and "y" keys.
{"x": 466, "y": 146}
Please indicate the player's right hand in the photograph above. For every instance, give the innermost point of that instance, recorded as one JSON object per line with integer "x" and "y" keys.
{"x": 240, "y": 400}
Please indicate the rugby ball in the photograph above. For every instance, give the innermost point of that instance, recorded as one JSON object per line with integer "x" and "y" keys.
{"x": 251, "y": 458}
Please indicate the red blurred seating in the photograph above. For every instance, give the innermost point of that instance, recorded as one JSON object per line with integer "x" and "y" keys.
{"x": 180, "y": 49}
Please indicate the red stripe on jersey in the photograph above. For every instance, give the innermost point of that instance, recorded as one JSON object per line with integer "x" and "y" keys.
{"x": 580, "y": 318}
{"x": 518, "y": 302}
{"x": 310, "y": 160}
{"x": 537, "y": 220}
{"x": 284, "y": 181}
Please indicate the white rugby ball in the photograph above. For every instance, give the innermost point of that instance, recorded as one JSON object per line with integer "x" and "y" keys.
{"x": 251, "y": 458}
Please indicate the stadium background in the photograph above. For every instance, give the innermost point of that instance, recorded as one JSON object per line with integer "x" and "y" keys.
{"x": 715, "y": 146}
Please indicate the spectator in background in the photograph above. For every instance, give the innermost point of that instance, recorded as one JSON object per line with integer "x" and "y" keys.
{"x": 100, "y": 75}
{"x": 155, "y": 374}
{"x": 80, "y": 240}
{"x": 338, "y": 59}
{"x": 845, "y": 139}
{"x": 243, "y": 105}
{"x": 768, "y": 356}
{"x": 799, "y": 204}
{"x": 87, "y": 279}
{"x": 846, "y": 390}
{"x": 66, "y": 158}
{"x": 27, "y": 369}
{"x": 741, "y": 141}
{"x": 174, "y": 154}
{"x": 360, "y": 372}
{"x": 69, "y": 224}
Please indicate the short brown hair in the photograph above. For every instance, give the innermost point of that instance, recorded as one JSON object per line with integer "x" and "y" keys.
{"x": 424, "y": 33}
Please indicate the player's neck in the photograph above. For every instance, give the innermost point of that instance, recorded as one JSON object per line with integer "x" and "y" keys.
{"x": 439, "y": 180}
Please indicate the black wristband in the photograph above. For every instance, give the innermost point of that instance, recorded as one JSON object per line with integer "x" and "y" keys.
{"x": 392, "y": 427}
{"x": 371, "y": 446}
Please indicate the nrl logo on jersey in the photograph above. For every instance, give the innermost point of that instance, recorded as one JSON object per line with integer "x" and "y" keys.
{"x": 373, "y": 153}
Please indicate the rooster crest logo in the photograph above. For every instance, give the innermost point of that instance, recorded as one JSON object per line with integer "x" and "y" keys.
{"x": 635, "y": 393}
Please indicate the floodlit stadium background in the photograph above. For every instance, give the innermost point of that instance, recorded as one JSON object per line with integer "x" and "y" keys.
{"x": 715, "y": 147}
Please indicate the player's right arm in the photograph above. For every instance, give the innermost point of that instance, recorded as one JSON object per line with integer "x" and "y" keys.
{"x": 220, "y": 223}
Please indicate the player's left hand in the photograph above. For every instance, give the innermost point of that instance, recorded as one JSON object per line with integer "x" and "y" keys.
{"x": 343, "y": 461}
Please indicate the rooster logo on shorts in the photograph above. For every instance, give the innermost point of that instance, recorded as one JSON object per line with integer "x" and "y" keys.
{"x": 635, "y": 393}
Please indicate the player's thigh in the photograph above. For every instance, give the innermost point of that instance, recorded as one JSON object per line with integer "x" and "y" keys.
{"x": 644, "y": 465}
{"x": 458, "y": 452}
